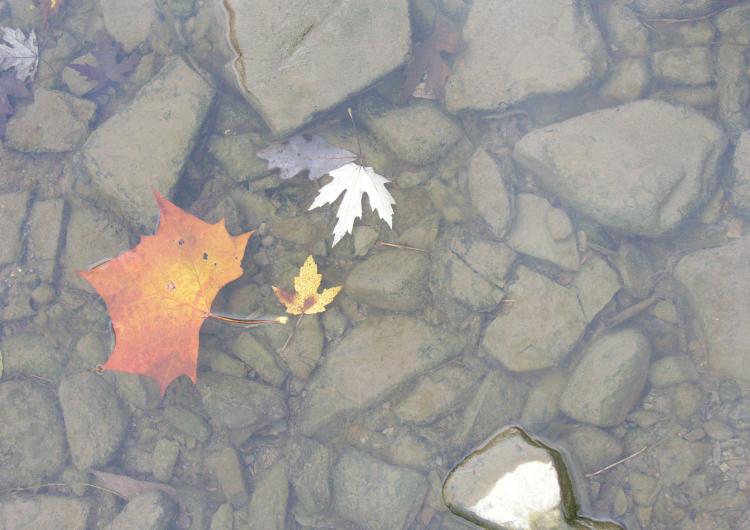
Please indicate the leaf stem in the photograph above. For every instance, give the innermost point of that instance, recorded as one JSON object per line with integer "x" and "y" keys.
{"x": 249, "y": 321}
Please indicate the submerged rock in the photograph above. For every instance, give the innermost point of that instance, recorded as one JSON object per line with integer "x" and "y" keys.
{"x": 145, "y": 145}
{"x": 718, "y": 284}
{"x": 536, "y": 232}
{"x": 238, "y": 403}
{"x": 91, "y": 236}
{"x": 419, "y": 133}
{"x": 741, "y": 166}
{"x": 148, "y": 511}
{"x": 733, "y": 86}
{"x": 44, "y": 511}
{"x": 368, "y": 365}
{"x": 374, "y": 494}
{"x": 270, "y": 496}
{"x": 609, "y": 379}
{"x": 32, "y": 440}
{"x": 54, "y": 122}
{"x": 299, "y": 58}
{"x": 529, "y": 49}
{"x": 95, "y": 421}
{"x": 559, "y": 323}
{"x": 13, "y": 206}
{"x": 394, "y": 280}
{"x": 676, "y": 8}
{"x": 515, "y": 482}
{"x": 129, "y": 22}
{"x": 489, "y": 193}
{"x": 640, "y": 167}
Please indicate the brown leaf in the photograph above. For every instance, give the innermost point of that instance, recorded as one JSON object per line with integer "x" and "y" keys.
{"x": 427, "y": 60}
{"x": 128, "y": 488}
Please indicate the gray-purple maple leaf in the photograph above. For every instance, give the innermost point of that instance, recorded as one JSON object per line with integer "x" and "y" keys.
{"x": 305, "y": 153}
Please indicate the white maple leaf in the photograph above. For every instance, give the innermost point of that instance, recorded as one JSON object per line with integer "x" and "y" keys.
{"x": 18, "y": 51}
{"x": 354, "y": 181}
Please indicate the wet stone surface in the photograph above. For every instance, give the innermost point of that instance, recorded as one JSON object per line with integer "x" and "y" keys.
{"x": 515, "y": 481}
{"x": 32, "y": 437}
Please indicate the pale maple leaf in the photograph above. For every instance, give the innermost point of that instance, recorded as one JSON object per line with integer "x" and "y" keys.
{"x": 354, "y": 181}
{"x": 301, "y": 153}
{"x": 19, "y": 52}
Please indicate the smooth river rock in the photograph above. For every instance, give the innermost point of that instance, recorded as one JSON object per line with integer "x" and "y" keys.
{"x": 609, "y": 379}
{"x": 375, "y": 494}
{"x": 145, "y": 145}
{"x": 558, "y": 318}
{"x": 394, "y": 280}
{"x": 299, "y": 58}
{"x": 517, "y": 49}
{"x": 32, "y": 439}
{"x": 718, "y": 285}
{"x": 374, "y": 360}
{"x": 640, "y": 168}
{"x": 515, "y": 482}
{"x": 95, "y": 420}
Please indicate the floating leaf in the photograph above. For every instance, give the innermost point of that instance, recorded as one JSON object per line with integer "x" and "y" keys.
{"x": 305, "y": 300}
{"x": 159, "y": 293}
{"x": 354, "y": 181}
{"x": 302, "y": 153}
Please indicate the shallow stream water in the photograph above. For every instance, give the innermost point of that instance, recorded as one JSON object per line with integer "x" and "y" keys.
{"x": 567, "y": 253}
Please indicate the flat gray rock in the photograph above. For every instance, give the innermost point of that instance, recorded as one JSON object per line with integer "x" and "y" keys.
{"x": 54, "y": 122}
{"x": 640, "y": 168}
{"x": 95, "y": 421}
{"x": 375, "y": 494}
{"x": 44, "y": 511}
{"x": 146, "y": 143}
{"x": 238, "y": 403}
{"x": 718, "y": 283}
{"x": 418, "y": 133}
{"x": 609, "y": 379}
{"x": 559, "y": 321}
{"x": 378, "y": 357}
{"x": 394, "y": 280}
{"x": 517, "y": 49}
{"x": 32, "y": 438}
{"x": 299, "y": 58}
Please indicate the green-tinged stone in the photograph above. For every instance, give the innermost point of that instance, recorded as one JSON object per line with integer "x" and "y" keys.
{"x": 515, "y": 481}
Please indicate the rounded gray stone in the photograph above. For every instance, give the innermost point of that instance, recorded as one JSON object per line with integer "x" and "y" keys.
{"x": 394, "y": 280}
{"x": 32, "y": 440}
{"x": 609, "y": 379}
{"x": 95, "y": 421}
{"x": 641, "y": 167}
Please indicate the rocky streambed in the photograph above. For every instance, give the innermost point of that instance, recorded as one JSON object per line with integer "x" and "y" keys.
{"x": 568, "y": 253}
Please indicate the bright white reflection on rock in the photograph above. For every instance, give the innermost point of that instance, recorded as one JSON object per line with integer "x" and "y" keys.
{"x": 518, "y": 496}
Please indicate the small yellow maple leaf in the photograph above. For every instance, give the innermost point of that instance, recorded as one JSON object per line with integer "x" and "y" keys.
{"x": 306, "y": 300}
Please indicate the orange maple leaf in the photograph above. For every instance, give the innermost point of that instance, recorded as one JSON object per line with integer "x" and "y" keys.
{"x": 159, "y": 293}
